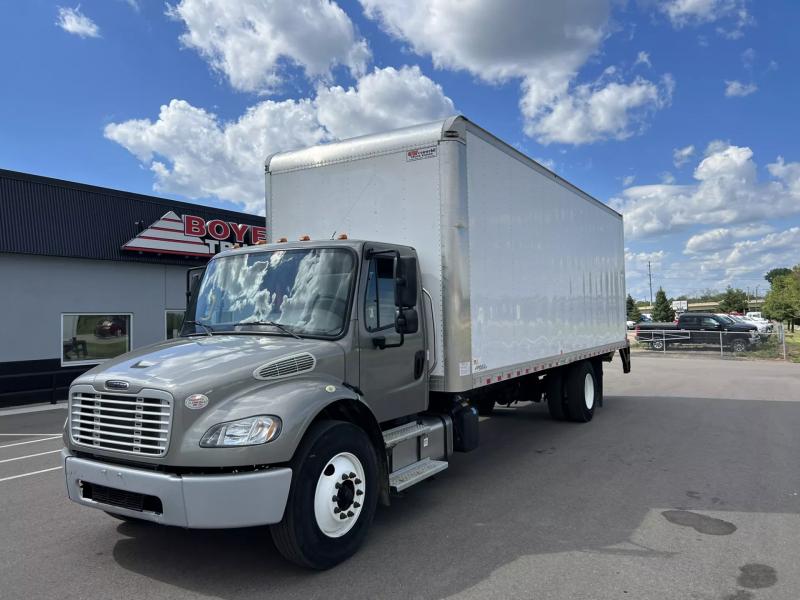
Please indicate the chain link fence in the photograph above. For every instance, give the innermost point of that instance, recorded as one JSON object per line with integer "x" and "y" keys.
{"x": 769, "y": 345}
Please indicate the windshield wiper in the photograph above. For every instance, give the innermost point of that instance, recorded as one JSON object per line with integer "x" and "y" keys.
{"x": 283, "y": 328}
{"x": 206, "y": 328}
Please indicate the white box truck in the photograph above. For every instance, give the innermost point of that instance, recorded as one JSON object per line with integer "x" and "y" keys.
{"x": 413, "y": 280}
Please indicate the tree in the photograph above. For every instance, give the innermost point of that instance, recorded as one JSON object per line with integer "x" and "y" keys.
{"x": 783, "y": 299}
{"x": 733, "y": 300}
{"x": 662, "y": 311}
{"x": 779, "y": 272}
{"x": 634, "y": 314}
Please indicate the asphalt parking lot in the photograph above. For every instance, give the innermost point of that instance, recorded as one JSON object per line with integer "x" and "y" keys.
{"x": 685, "y": 485}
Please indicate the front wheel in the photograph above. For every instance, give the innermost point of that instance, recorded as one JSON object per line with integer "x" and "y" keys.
{"x": 657, "y": 344}
{"x": 739, "y": 346}
{"x": 333, "y": 496}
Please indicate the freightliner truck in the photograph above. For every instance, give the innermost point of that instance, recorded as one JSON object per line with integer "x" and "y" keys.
{"x": 413, "y": 280}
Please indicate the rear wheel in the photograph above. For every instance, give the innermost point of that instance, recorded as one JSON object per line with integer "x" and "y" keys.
{"x": 554, "y": 391}
{"x": 582, "y": 392}
{"x": 333, "y": 496}
{"x": 738, "y": 346}
{"x": 657, "y": 344}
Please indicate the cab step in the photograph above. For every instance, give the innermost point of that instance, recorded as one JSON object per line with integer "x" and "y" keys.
{"x": 392, "y": 437}
{"x": 414, "y": 473}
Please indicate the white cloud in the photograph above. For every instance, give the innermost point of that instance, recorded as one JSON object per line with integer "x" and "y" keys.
{"x": 744, "y": 262}
{"x": 667, "y": 178}
{"x": 628, "y": 180}
{"x": 543, "y": 45}
{"x": 684, "y": 13}
{"x": 727, "y": 191}
{"x": 251, "y": 41}
{"x": 385, "y": 99}
{"x": 72, "y": 20}
{"x": 643, "y": 58}
{"x": 680, "y": 156}
{"x": 192, "y": 152}
{"x": 748, "y": 58}
{"x": 737, "y": 88}
{"x": 134, "y": 4}
{"x": 722, "y": 238}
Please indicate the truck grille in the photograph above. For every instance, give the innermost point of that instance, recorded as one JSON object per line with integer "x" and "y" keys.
{"x": 136, "y": 424}
{"x": 121, "y": 498}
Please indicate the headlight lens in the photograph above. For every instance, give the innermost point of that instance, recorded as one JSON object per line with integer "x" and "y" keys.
{"x": 244, "y": 432}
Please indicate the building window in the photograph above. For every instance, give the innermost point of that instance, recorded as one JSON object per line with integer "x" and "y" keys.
{"x": 93, "y": 338}
{"x": 174, "y": 323}
{"x": 379, "y": 304}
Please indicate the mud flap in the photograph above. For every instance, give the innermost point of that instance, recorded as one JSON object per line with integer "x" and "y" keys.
{"x": 625, "y": 356}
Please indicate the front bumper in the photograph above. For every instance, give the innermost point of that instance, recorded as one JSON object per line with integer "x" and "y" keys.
{"x": 194, "y": 501}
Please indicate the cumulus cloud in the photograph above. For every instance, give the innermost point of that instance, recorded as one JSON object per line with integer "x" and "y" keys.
{"x": 680, "y": 156}
{"x": 628, "y": 180}
{"x": 385, "y": 99}
{"x": 250, "y": 41}
{"x": 737, "y": 88}
{"x": 73, "y": 21}
{"x": 192, "y": 152}
{"x": 541, "y": 44}
{"x": 726, "y": 191}
{"x": 643, "y": 58}
{"x": 722, "y": 238}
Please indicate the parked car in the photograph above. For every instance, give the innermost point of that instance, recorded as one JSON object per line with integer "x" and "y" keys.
{"x": 704, "y": 329}
{"x": 110, "y": 327}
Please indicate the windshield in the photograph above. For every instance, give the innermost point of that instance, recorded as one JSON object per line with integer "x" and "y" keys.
{"x": 304, "y": 292}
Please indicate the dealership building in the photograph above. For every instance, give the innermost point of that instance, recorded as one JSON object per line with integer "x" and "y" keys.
{"x": 87, "y": 273}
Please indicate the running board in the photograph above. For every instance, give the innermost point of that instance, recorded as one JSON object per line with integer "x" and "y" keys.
{"x": 392, "y": 437}
{"x": 414, "y": 473}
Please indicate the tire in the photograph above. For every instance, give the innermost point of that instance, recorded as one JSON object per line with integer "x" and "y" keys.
{"x": 554, "y": 391}
{"x": 738, "y": 345}
{"x": 657, "y": 344}
{"x": 582, "y": 392}
{"x": 335, "y": 458}
{"x": 485, "y": 405}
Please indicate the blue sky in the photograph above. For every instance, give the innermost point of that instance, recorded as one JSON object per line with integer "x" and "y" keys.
{"x": 679, "y": 113}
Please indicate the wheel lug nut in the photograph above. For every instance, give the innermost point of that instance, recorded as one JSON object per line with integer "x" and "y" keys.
{"x": 338, "y": 485}
{"x": 337, "y": 510}
{"x": 359, "y": 493}
{"x": 342, "y": 516}
{"x": 358, "y": 481}
{"x": 344, "y": 476}
{"x": 352, "y": 475}
{"x": 356, "y": 504}
{"x": 335, "y": 499}
{"x": 350, "y": 513}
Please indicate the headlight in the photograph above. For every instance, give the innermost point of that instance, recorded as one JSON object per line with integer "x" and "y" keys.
{"x": 244, "y": 432}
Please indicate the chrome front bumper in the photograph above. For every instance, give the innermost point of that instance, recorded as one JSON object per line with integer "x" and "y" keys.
{"x": 194, "y": 501}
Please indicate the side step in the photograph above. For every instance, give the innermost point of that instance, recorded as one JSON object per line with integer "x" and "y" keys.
{"x": 392, "y": 437}
{"x": 414, "y": 473}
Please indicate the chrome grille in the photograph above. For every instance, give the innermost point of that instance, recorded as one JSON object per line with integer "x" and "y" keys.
{"x": 130, "y": 423}
{"x": 283, "y": 367}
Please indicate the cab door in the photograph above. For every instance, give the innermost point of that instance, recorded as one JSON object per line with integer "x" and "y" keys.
{"x": 393, "y": 376}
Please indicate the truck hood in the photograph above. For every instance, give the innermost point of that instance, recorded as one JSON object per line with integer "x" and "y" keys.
{"x": 205, "y": 364}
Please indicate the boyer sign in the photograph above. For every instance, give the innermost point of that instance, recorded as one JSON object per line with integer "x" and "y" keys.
{"x": 194, "y": 236}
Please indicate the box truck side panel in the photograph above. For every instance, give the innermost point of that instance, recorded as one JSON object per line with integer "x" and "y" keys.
{"x": 386, "y": 197}
{"x": 546, "y": 265}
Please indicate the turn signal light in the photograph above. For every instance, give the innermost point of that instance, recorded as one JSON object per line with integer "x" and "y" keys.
{"x": 282, "y": 240}
{"x": 341, "y": 236}
{"x": 305, "y": 238}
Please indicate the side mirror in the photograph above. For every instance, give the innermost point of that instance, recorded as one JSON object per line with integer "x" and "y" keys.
{"x": 405, "y": 277}
{"x": 407, "y": 321}
{"x": 193, "y": 277}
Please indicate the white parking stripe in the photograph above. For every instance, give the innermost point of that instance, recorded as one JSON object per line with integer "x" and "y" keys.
{"x": 19, "y": 434}
{"x": 29, "y": 456}
{"x": 55, "y": 437}
{"x": 29, "y": 474}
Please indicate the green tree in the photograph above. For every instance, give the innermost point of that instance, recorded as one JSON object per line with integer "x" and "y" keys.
{"x": 662, "y": 311}
{"x": 773, "y": 273}
{"x": 783, "y": 299}
{"x": 634, "y": 314}
{"x": 733, "y": 300}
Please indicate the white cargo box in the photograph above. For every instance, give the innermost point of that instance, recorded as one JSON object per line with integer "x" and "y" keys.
{"x": 525, "y": 270}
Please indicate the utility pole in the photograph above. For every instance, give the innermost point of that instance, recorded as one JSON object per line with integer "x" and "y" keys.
{"x": 650, "y": 277}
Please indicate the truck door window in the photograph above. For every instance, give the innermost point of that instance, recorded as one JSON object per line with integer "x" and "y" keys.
{"x": 379, "y": 303}
{"x": 709, "y": 323}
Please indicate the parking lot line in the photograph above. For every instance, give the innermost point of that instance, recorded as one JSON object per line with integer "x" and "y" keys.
{"x": 29, "y": 456}
{"x": 20, "y": 434}
{"x": 29, "y": 474}
{"x": 55, "y": 437}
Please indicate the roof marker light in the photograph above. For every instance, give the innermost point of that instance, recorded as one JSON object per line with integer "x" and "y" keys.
{"x": 282, "y": 240}
{"x": 341, "y": 236}
{"x": 305, "y": 238}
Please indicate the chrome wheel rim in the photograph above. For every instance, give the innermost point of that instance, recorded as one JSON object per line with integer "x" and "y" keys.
{"x": 588, "y": 391}
{"x": 339, "y": 496}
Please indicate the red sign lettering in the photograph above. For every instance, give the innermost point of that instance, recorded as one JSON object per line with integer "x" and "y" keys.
{"x": 194, "y": 226}
{"x": 219, "y": 230}
{"x": 257, "y": 234}
{"x": 239, "y": 230}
